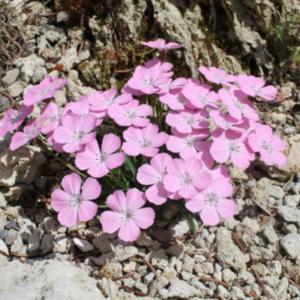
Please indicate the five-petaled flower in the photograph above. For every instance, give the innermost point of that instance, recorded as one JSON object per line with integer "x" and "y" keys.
{"x": 153, "y": 174}
{"x": 212, "y": 203}
{"x": 73, "y": 202}
{"x": 46, "y": 89}
{"x": 99, "y": 161}
{"x": 145, "y": 141}
{"x": 128, "y": 215}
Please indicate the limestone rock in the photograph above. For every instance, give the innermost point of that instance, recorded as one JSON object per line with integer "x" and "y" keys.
{"x": 48, "y": 280}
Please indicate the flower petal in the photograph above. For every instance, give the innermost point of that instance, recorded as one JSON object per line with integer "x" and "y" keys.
{"x": 129, "y": 232}
{"x": 71, "y": 184}
{"x": 144, "y": 217}
{"x": 110, "y": 221}
{"x": 91, "y": 189}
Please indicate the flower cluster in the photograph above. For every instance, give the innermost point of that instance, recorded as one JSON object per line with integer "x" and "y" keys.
{"x": 186, "y": 132}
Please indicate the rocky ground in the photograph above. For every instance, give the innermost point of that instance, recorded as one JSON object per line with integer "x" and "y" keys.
{"x": 254, "y": 256}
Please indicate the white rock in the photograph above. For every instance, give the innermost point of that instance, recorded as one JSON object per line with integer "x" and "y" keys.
{"x": 125, "y": 252}
{"x": 289, "y": 214}
{"x": 228, "y": 254}
{"x": 181, "y": 289}
{"x": 16, "y": 89}
{"x": 31, "y": 66}
{"x": 83, "y": 245}
{"x": 291, "y": 244}
{"x": 47, "y": 280}
{"x": 292, "y": 200}
{"x": 10, "y": 77}
{"x": 3, "y": 248}
{"x": 267, "y": 193}
{"x": 20, "y": 166}
{"x": 180, "y": 228}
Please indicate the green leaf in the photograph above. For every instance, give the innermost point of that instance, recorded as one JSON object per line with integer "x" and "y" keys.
{"x": 129, "y": 165}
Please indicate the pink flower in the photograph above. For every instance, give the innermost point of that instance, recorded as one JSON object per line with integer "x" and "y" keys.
{"x": 131, "y": 114}
{"x": 80, "y": 108}
{"x": 254, "y": 86}
{"x": 51, "y": 115}
{"x": 212, "y": 203}
{"x": 216, "y": 75}
{"x": 231, "y": 147}
{"x": 269, "y": 145}
{"x": 185, "y": 144}
{"x": 198, "y": 94}
{"x": 73, "y": 201}
{"x": 145, "y": 141}
{"x": 153, "y": 174}
{"x": 187, "y": 121}
{"x": 102, "y": 101}
{"x": 21, "y": 138}
{"x": 237, "y": 104}
{"x": 46, "y": 89}
{"x": 150, "y": 77}
{"x": 98, "y": 161}
{"x": 203, "y": 154}
{"x": 75, "y": 132}
{"x": 174, "y": 99}
{"x": 13, "y": 119}
{"x": 161, "y": 45}
{"x": 186, "y": 177}
{"x": 127, "y": 215}
{"x": 228, "y": 123}
{"x": 172, "y": 85}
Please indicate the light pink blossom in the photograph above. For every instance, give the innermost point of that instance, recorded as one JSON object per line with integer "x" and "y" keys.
{"x": 161, "y": 45}
{"x": 153, "y": 174}
{"x": 150, "y": 77}
{"x": 74, "y": 132}
{"x": 187, "y": 121}
{"x": 174, "y": 99}
{"x": 131, "y": 114}
{"x": 185, "y": 144}
{"x": 145, "y": 141}
{"x": 46, "y": 89}
{"x": 237, "y": 104}
{"x": 99, "y": 161}
{"x": 102, "y": 101}
{"x": 199, "y": 95}
{"x": 21, "y": 138}
{"x": 255, "y": 87}
{"x": 212, "y": 203}
{"x": 186, "y": 177}
{"x": 13, "y": 119}
{"x": 172, "y": 85}
{"x": 268, "y": 145}
{"x": 51, "y": 117}
{"x": 231, "y": 147}
{"x": 128, "y": 215}
{"x": 73, "y": 202}
{"x": 216, "y": 75}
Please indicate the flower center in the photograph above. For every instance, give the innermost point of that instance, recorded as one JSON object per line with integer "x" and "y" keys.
{"x": 187, "y": 179}
{"x": 189, "y": 140}
{"x": 145, "y": 143}
{"x": 148, "y": 81}
{"x": 189, "y": 120}
{"x": 211, "y": 199}
{"x": 127, "y": 214}
{"x": 44, "y": 92}
{"x": 234, "y": 147}
{"x": 102, "y": 157}
{"x": 78, "y": 135}
{"x": 131, "y": 114}
{"x": 267, "y": 146}
{"x": 76, "y": 200}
